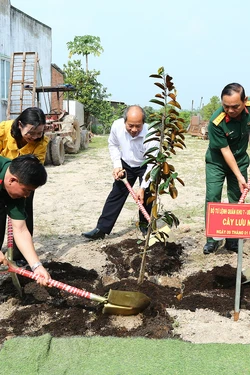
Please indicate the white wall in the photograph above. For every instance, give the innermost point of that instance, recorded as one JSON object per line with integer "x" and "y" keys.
{"x": 76, "y": 109}
{"x": 22, "y": 33}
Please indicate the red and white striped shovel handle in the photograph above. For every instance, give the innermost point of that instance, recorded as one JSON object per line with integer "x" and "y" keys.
{"x": 9, "y": 233}
{"x": 57, "y": 284}
{"x": 132, "y": 192}
{"x": 245, "y": 192}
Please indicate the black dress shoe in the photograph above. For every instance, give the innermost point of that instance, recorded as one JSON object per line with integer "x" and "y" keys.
{"x": 232, "y": 245}
{"x": 21, "y": 262}
{"x": 95, "y": 234}
{"x": 19, "y": 259}
{"x": 144, "y": 231}
{"x": 211, "y": 247}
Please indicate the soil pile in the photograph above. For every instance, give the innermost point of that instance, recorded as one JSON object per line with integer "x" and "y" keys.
{"x": 50, "y": 310}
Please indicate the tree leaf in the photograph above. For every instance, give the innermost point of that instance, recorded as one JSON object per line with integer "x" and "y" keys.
{"x": 175, "y": 219}
{"x": 159, "y": 96}
{"x": 152, "y": 139}
{"x": 174, "y": 103}
{"x": 166, "y": 168}
{"x": 173, "y": 136}
{"x": 151, "y": 199}
{"x": 148, "y": 161}
{"x": 153, "y": 124}
{"x": 154, "y": 211}
{"x": 180, "y": 180}
{"x": 147, "y": 176}
{"x": 164, "y": 236}
{"x": 162, "y": 192}
{"x": 171, "y": 167}
{"x": 157, "y": 102}
{"x": 168, "y": 79}
{"x": 152, "y": 187}
{"x": 180, "y": 133}
{"x": 181, "y": 141}
{"x": 165, "y": 184}
{"x": 173, "y": 151}
{"x": 160, "y": 85}
{"x": 151, "y": 149}
{"x": 173, "y": 191}
{"x": 155, "y": 76}
{"x": 154, "y": 131}
{"x": 160, "y": 157}
{"x": 172, "y": 110}
{"x": 169, "y": 84}
{"x": 173, "y": 176}
{"x": 155, "y": 172}
{"x": 172, "y": 96}
{"x": 161, "y": 70}
{"x": 177, "y": 145}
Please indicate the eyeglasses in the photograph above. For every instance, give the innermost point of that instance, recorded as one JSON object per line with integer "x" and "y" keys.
{"x": 32, "y": 134}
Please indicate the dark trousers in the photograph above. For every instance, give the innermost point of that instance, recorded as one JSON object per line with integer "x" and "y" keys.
{"x": 117, "y": 197}
{"x": 215, "y": 177}
{"x": 29, "y": 222}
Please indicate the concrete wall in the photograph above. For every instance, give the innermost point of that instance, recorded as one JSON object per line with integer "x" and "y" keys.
{"x": 5, "y": 49}
{"x": 22, "y": 33}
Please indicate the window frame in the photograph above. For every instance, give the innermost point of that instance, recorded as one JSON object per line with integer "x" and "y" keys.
{"x": 4, "y": 77}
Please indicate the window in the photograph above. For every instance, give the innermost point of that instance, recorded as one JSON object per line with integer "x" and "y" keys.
{"x": 5, "y": 76}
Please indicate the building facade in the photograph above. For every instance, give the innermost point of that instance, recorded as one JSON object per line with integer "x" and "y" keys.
{"x": 22, "y": 33}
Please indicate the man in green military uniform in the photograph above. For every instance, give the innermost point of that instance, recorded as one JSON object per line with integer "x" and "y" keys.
{"x": 226, "y": 157}
{"x": 18, "y": 178}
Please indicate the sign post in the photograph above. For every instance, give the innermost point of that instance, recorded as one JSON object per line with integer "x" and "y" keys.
{"x": 229, "y": 220}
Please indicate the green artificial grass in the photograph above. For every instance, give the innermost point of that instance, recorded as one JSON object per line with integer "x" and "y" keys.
{"x": 120, "y": 356}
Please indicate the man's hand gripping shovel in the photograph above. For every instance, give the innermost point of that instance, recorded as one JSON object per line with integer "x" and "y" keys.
{"x": 117, "y": 302}
{"x": 165, "y": 229}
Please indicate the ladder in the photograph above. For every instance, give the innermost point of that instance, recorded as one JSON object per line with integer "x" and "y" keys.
{"x": 22, "y": 84}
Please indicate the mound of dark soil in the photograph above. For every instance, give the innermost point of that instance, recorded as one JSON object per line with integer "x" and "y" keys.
{"x": 51, "y": 310}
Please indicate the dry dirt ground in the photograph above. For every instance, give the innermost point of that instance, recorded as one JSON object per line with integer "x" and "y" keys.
{"x": 192, "y": 295}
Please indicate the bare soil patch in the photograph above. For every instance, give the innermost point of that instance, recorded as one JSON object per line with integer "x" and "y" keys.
{"x": 192, "y": 295}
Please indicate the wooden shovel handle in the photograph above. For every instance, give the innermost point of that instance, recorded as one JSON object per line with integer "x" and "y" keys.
{"x": 57, "y": 284}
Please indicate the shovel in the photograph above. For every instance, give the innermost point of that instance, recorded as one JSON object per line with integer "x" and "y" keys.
{"x": 10, "y": 255}
{"x": 239, "y": 262}
{"x": 117, "y": 303}
{"x": 246, "y": 272}
{"x": 165, "y": 229}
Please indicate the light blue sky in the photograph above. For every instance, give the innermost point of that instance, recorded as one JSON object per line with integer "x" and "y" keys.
{"x": 203, "y": 45}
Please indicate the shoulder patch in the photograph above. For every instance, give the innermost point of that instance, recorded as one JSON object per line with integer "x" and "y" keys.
{"x": 219, "y": 118}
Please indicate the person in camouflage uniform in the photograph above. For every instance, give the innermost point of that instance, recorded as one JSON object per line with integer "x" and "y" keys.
{"x": 226, "y": 156}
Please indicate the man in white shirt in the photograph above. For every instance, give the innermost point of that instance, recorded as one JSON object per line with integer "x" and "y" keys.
{"x": 127, "y": 149}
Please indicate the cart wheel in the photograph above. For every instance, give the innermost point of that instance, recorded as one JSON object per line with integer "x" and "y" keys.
{"x": 84, "y": 139}
{"x": 48, "y": 157}
{"x": 71, "y": 123}
{"x": 57, "y": 151}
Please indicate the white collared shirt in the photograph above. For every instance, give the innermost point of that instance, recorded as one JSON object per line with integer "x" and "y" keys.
{"x": 130, "y": 149}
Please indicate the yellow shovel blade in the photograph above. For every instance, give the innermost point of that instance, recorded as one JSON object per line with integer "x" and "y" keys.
{"x": 246, "y": 274}
{"x": 121, "y": 302}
